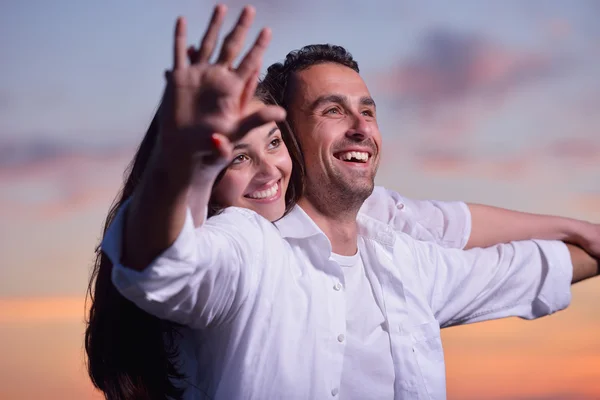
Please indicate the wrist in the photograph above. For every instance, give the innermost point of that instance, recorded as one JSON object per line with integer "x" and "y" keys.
{"x": 574, "y": 231}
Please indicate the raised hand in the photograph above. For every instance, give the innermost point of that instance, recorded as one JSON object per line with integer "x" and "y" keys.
{"x": 204, "y": 99}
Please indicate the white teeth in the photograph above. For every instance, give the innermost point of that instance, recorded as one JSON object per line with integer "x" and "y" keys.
{"x": 265, "y": 194}
{"x": 356, "y": 155}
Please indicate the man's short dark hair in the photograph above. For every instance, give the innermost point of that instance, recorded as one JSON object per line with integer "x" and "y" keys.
{"x": 278, "y": 74}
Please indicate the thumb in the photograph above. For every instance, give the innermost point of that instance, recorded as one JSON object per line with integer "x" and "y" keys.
{"x": 266, "y": 114}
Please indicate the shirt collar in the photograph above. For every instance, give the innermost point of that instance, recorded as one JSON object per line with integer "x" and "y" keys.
{"x": 376, "y": 230}
{"x": 298, "y": 225}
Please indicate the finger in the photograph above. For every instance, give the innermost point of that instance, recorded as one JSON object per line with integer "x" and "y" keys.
{"x": 249, "y": 89}
{"x": 209, "y": 40}
{"x": 220, "y": 154}
{"x": 192, "y": 54}
{"x": 253, "y": 59}
{"x": 179, "y": 44}
{"x": 235, "y": 39}
{"x": 223, "y": 147}
{"x": 264, "y": 115}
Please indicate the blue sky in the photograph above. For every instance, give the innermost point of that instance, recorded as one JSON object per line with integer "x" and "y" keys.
{"x": 91, "y": 72}
{"x": 491, "y": 102}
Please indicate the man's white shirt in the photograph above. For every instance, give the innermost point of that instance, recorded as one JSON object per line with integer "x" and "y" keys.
{"x": 269, "y": 314}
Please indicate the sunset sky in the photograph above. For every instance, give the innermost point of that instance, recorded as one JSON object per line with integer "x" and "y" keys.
{"x": 478, "y": 101}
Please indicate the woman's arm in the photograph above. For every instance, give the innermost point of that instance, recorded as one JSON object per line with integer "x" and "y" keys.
{"x": 200, "y": 99}
{"x": 493, "y": 225}
{"x": 454, "y": 224}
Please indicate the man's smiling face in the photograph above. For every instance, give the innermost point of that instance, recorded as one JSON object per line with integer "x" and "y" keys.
{"x": 334, "y": 119}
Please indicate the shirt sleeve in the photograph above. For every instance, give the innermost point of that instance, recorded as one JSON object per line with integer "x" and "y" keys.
{"x": 527, "y": 279}
{"x": 202, "y": 277}
{"x": 447, "y": 224}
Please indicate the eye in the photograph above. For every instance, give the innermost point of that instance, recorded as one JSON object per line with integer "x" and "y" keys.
{"x": 240, "y": 158}
{"x": 333, "y": 111}
{"x": 275, "y": 143}
{"x": 368, "y": 113}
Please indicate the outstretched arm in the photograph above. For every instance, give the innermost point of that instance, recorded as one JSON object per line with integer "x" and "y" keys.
{"x": 200, "y": 99}
{"x": 584, "y": 265}
{"x": 460, "y": 225}
{"x": 161, "y": 262}
{"x": 527, "y": 279}
{"x": 493, "y": 225}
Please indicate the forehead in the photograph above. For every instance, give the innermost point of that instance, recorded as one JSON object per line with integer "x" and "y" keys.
{"x": 328, "y": 78}
{"x": 257, "y": 136}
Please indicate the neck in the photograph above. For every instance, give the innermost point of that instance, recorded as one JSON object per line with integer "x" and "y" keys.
{"x": 339, "y": 227}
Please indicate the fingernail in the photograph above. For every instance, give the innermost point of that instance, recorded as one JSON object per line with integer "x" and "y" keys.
{"x": 215, "y": 141}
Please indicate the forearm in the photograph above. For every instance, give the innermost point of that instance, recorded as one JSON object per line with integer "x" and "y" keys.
{"x": 493, "y": 225}
{"x": 584, "y": 265}
{"x": 158, "y": 210}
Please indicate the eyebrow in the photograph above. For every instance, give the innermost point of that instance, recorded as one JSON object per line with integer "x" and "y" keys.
{"x": 245, "y": 145}
{"x": 341, "y": 99}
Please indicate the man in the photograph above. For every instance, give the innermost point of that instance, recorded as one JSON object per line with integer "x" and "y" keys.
{"x": 306, "y": 77}
{"x": 334, "y": 118}
{"x": 358, "y": 313}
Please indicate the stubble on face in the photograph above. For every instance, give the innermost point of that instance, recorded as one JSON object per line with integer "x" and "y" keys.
{"x": 317, "y": 92}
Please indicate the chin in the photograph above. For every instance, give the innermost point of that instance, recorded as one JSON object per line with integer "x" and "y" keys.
{"x": 272, "y": 213}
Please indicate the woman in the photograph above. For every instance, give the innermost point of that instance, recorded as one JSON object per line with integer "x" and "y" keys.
{"x": 133, "y": 354}
{"x": 125, "y": 364}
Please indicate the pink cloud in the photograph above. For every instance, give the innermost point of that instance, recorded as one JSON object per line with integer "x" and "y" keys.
{"x": 450, "y": 66}
{"x": 578, "y": 151}
{"x": 557, "y": 28}
{"x": 457, "y": 164}
{"x": 48, "y": 187}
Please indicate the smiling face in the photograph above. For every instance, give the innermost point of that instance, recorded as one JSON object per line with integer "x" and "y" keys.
{"x": 334, "y": 118}
{"x": 259, "y": 173}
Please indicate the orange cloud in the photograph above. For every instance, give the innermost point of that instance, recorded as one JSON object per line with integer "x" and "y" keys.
{"x": 42, "y": 356}
{"x": 552, "y": 357}
{"x": 588, "y": 203}
{"x": 45, "y": 309}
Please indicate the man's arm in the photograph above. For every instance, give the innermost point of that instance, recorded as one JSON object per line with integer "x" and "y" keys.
{"x": 527, "y": 279}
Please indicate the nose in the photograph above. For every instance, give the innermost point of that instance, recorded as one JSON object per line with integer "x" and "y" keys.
{"x": 360, "y": 129}
{"x": 266, "y": 170}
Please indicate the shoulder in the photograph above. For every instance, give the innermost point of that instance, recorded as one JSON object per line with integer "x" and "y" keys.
{"x": 241, "y": 221}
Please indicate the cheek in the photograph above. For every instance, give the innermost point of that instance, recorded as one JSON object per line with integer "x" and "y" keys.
{"x": 318, "y": 138}
{"x": 230, "y": 190}
{"x": 377, "y": 139}
{"x": 283, "y": 161}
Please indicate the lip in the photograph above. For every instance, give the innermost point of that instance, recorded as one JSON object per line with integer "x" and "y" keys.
{"x": 267, "y": 200}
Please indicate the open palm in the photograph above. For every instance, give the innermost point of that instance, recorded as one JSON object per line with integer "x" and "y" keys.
{"x": 204, "y": 98}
